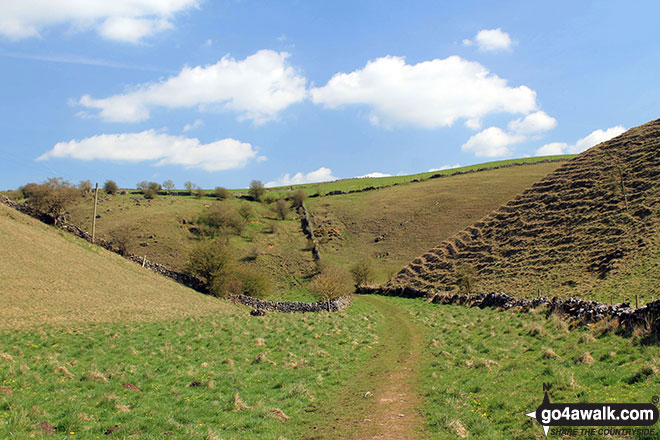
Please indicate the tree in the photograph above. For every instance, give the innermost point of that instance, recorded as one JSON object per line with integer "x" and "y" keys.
{"x": 363, "y": 272}
{"x": 282, "y": 209}
{"x": 221, "y": 218}
{"x": 51, "y": 198}
{"x": 222, "y": 193}
{"x": 85, "y": 186}
{"x": 257, "y": 190}
{"x": 142, "y": 185}
{"x": 168, "y": 185}
{"x": 331, "y": 283}
{"x": 298, "y": 198}
{"x": 110, "y": 187}
{"x": 190, "y": 187}
{"x": 122, "y": 238}
{"x": 246, "y": 211}
{"x": 209, "y": 260}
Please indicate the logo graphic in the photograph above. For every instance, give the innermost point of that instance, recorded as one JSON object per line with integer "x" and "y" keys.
{"x": 594, "y": 414}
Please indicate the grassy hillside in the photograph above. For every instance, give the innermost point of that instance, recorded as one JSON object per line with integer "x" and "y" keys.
{"x": 410, "y": 219}
{"x": 589, "y": 229}
{"x": 357, "y": 184}
{"x": 50, "y": 277}
{"x": 164, "y": 230}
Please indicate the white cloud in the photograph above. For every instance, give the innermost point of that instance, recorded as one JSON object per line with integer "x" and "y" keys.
{"x": 198, "y": 123}
{"x": 533, "y": 123}
{"x": 323, "y": 174}
{"x": 492, "y": 40}
{"x": 429, "y": 94}
{"x": 445, "y": 167}
{"x": 164, "y": 149}
{"x": 552, "y": 149}
{"x": 374, "y": 174}
{"x": 593, "y": 138}
{"x": 256, "y": 88}
{"x": 121, "y": 20}
{"x": 491, "y": 142}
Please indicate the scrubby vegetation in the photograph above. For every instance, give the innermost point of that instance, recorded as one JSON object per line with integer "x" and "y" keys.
{"x": 51, "y": 198}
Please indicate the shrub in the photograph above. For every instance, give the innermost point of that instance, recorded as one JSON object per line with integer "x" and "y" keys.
{"x": 331, "y": 283}
{"x": 85, "y": 186}
{"x": 253, "y": 254}
{"x": 209, "y": 261}
{"x": 168, "y": 185}
{"x": 271, "y": 228}
{"x": 257, "y": 190}
{"x": 122, "y": 239}
{"x": 200, "y": 193}
{"x": 363, "y": 272}
{"x": 51, "y": 198}
{"x": 150, "y": 193}
{"x": 298, "y": 198}
{"x": 281, "y": 209}
{"x": 253, "y": 283}
{"x": 221, "y": 218}
{"x": 222, "y": 192}
{"x": 246, "y": 211}
{"x": 466, "y": 278}
{"x": 110, "y": 187}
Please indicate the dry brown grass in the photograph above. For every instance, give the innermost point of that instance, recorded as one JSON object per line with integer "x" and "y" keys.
{"x": 51, "y": 277}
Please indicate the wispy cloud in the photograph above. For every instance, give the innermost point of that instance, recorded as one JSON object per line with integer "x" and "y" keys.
{"x": 76, "y": 59}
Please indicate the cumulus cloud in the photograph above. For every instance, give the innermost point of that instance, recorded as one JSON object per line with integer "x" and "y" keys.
{"x": 429, "y": 94}
{"x": 593, "y": 138}
{"x": 445, "y": 167}
{"x": 121, "y": 20}
{"x": 257, "y": 88}
{"x": 162, "y": 149}
{"x": 374, "y": 174}
{"x": 533, "y": 123}
{"x": 323, "y": 174}
{"x": 491, "y": 40}
{"x": 491, "y": 142}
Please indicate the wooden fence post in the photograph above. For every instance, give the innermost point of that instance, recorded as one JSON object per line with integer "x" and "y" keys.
{"x": 96, "y": 200}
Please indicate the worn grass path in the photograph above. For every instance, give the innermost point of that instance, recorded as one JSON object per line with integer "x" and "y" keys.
{"x": 383, "y": 401}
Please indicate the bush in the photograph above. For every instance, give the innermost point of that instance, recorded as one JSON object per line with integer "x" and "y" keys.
{"x": 257, "y": 190}
{"x": 281, "y": 209}
{"x": 363, "y": 272}
{"x": 50, "y": 198}
{"x": 85, "y": 186}
{"x": 110, "y": 187}
{"x": 222, "y": 219}
{"x": 253, "y": 283}
{"x": 200, "y": 193}
{"x": 246, "y": 211}
{"x": 271, "y": 228}
{"x": 222, "y": 193}
{"x": 466, "y": 278}
{"x": 209, "y": 261}
{"x": 331, "y": 283}
{"x": 122, "y": 239}
{"x": 150, "y": 193}
{"x": 253, "y": 254}
{"x": 298, "y": 198}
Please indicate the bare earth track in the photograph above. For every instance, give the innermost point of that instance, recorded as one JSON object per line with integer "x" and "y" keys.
{"x": 383, "y": 401}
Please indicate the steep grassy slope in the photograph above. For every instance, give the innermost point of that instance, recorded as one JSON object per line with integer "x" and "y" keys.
{"x": 48, "y": 276}
{"x": 590, "y": 229}
{"x": 409, "y": 219}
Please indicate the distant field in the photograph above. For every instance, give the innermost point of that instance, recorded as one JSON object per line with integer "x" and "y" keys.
{"x": 430, "y": 211}
{"x": 355, "y": 184}
{"x": 484, "y": 369}
{"x": 50, "y": 277}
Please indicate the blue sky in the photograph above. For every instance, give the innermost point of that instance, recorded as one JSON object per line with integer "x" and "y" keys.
{"x": 223, "y": 92}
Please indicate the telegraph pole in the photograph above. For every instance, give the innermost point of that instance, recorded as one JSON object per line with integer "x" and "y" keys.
{"x": 96, "y": 200}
